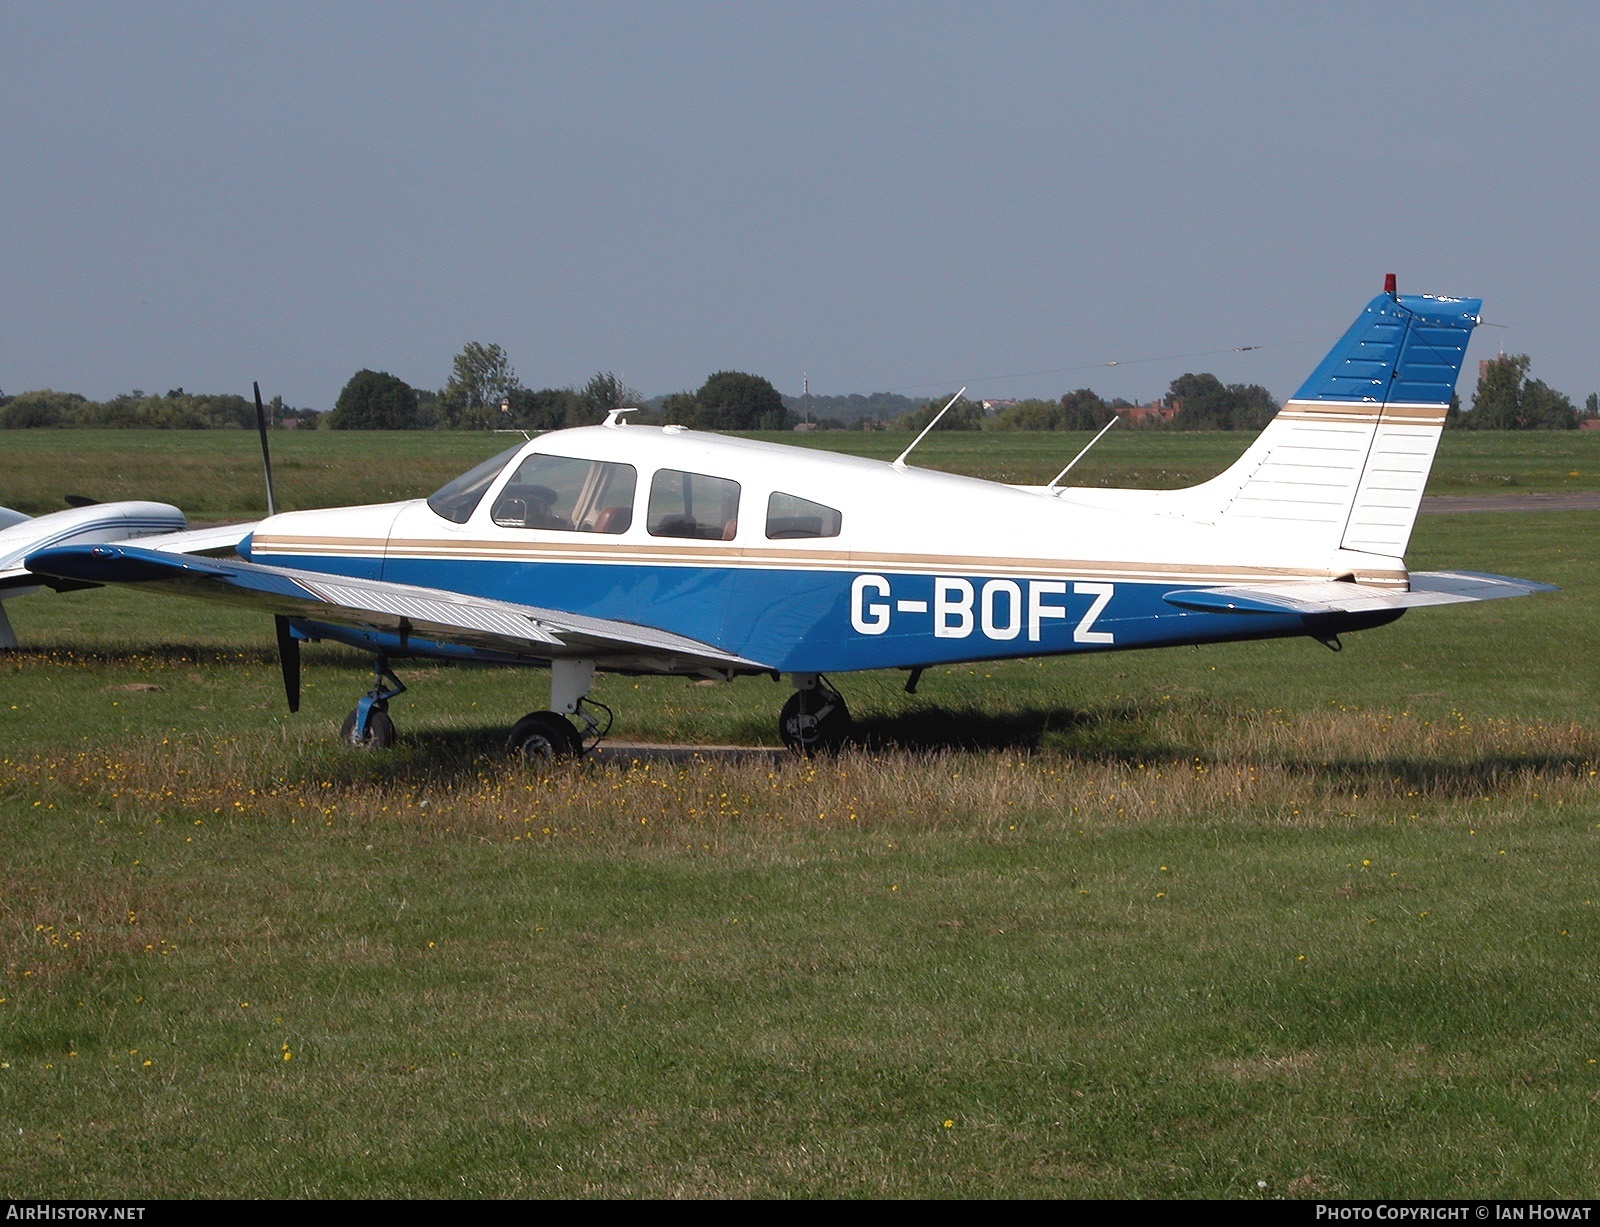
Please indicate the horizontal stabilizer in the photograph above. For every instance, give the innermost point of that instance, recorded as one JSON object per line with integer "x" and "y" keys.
{"x": 1339, "y": 596}
{"x": 411, "y": 612}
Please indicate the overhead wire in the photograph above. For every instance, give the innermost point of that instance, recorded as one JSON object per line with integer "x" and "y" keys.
{"x": 1093, "y": 366}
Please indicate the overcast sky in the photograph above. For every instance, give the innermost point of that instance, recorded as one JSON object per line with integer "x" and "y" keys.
{"x": 889, "y": 197}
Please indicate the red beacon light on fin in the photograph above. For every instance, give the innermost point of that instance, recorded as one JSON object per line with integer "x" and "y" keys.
{"x": 1389, "y": 285}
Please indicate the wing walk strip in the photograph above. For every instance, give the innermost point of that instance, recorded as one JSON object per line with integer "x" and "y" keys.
{"x": 547, "y": 626}
{"x": 416, "y": 608}
{"x": 428, "y": 611}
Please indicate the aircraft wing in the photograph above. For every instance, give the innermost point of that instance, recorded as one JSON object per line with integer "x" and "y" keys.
{"x": 1339, "y": 596}
{"x": 413, "y": 613}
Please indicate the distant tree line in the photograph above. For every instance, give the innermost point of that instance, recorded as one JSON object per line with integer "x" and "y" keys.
{"x": 484, "y": 393}
{"x": 177, "y": 410}
{"x": 839, "y": 412}
{"x": 1506, "y": 399}
{"x": 1081, "y": 410}
{"x": 1192, "y": 402}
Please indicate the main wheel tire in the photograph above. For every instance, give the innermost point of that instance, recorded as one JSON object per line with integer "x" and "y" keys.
{"x": 806, "y": 732}
{"x": 379, "y": 734}
{"x": 544, "y": 736}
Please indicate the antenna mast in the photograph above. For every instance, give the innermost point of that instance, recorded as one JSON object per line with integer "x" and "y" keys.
{"x": 1114, "y": 420}
{"x": 900, "y": 460}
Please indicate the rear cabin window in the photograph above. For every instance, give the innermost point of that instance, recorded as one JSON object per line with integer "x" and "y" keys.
{"x": 790, "y": 517}
{"x": 567, "y": 495}
{"x": 693, "y": 505}
{"x": 457, "y": 500}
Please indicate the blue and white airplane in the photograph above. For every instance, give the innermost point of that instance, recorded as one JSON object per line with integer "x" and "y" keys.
{"x": 660, "y": 550}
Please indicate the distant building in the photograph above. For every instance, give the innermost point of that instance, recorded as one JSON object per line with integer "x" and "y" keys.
{"x": 992, "y": 407}
{"x": 1155, "y": 411}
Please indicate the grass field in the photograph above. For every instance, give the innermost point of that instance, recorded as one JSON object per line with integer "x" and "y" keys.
{"x": 1154, "y": 924}
{"x": 216, "y": 475}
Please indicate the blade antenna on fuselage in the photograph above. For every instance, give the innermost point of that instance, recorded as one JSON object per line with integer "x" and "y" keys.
{"x": 900, "y": 460}
{"x": 1114, "y": 420}
{"x": 266, "y": 454}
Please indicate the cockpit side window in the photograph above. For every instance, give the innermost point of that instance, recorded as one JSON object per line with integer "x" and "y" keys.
{"x": 693, "y": 505}
{"x": 789, "y": 517}
{"x": 567, "y": 495}
{"x": 457, "y": 500}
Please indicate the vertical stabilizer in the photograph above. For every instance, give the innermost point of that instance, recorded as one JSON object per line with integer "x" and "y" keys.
{"x": 1344, "y": 463}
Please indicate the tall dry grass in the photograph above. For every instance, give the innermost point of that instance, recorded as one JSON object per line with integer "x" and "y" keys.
{"x": 1339, "y": 767}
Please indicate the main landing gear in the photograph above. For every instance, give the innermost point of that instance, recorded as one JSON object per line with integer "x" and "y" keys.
{"x": 546, "y": 736}
{"x": 815, "y": 720}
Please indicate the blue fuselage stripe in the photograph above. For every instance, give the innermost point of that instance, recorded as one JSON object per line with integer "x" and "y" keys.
{"x": 832, "y": 621}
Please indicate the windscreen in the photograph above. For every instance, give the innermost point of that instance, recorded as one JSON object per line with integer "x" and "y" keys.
{"x": 458, "y": 500}
{"x": 568, "y": 495}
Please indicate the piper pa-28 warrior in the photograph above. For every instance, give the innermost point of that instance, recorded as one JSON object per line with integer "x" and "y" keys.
{"x": 661, "y": 550}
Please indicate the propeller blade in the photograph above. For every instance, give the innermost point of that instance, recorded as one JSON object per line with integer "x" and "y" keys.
{"x": 266, "y": 454}
{"x": 289, "y": 661}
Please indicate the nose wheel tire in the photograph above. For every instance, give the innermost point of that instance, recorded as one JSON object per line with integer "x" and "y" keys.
{"x": 379, "y": 734}
{"x": 377, "y": 731}
{"x": 815, "y": 721}
{"x": 544, "y": 736}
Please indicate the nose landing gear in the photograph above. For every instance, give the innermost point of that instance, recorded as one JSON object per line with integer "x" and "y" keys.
{"x": 369, "y": 725}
